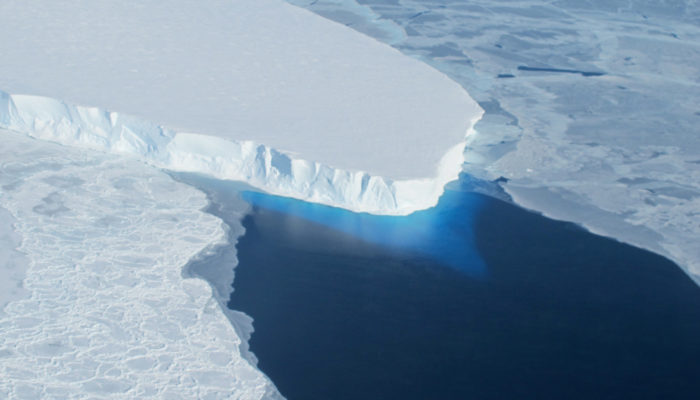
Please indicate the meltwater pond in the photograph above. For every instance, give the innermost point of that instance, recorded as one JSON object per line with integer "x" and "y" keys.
{"x": 475, "y": 299}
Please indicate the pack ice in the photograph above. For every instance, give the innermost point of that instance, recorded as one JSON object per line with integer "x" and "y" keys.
{"x": 104, "y": 310}
{"x": 259, "y": 91}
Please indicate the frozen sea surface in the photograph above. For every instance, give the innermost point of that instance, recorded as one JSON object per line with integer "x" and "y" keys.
{"x": 13, "y": 264}
{"x": 591, "y": 106}
{"x": 107, "y": 311}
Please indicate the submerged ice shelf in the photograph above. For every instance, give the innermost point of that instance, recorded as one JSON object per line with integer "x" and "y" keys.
{"x": 290, "y": 102}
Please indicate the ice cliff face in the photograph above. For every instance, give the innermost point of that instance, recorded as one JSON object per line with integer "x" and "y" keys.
{"x": 355, "y": 123}
{"x": 260, "y": 166}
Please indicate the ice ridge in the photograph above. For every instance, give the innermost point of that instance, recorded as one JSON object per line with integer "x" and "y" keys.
{"x": 256, "y": 164}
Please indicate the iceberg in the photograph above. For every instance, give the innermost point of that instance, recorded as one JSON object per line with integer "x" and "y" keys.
{"x": 262, "y": 91}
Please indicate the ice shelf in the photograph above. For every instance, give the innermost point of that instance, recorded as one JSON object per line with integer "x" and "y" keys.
{"x": 260, "y": 91}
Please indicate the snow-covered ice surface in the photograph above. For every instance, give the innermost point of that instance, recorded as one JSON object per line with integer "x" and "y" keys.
{"x": 107, "y": 311}
{"x": 13, "y": 264}
{"x": 591, "y": 107}
{"x": 344, "y": 119}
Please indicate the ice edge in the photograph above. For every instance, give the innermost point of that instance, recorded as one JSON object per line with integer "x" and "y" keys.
{"x": 256, "y": 164}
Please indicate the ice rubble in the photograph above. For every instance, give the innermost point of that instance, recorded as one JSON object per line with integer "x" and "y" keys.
{"x": 292, "y": 103}
{"x": 108, "y": 313}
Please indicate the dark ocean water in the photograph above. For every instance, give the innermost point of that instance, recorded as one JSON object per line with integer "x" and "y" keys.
{"x": 475, "y": 299}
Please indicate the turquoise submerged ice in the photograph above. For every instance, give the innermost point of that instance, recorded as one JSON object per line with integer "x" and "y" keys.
{"x": 443, "y": 234}
{"x": 591, "y": 107}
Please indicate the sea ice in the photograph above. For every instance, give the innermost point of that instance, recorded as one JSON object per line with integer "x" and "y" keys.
{"x": 13, "y": 264}
{"x": 614, "y": 146}
{"x": 108, "y": 312}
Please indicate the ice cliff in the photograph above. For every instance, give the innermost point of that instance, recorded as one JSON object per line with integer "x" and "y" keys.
{"x": 259, "y": 165}
{"x": 259, "y": 91}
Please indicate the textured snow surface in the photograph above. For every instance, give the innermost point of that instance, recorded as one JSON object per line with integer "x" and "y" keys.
{"x": 261, "y": 71}
{"x": 619, "y": 152}
{"x": 108, "y": 312}
{"x": 13, "y": 264}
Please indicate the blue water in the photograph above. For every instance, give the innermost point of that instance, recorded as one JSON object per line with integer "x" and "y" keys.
{"x": 476, "y": 299}
{"x": 444, "y": 234}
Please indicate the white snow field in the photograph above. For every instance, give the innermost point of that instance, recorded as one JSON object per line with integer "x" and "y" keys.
{"x": 13, "y": 264}
{"x": 106, "y": 311}
{"x": 290, "y": 102}
{"x": 618, "y": 153}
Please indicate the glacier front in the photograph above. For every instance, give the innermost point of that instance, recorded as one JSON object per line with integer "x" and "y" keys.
{"x": 260, "y": 91}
